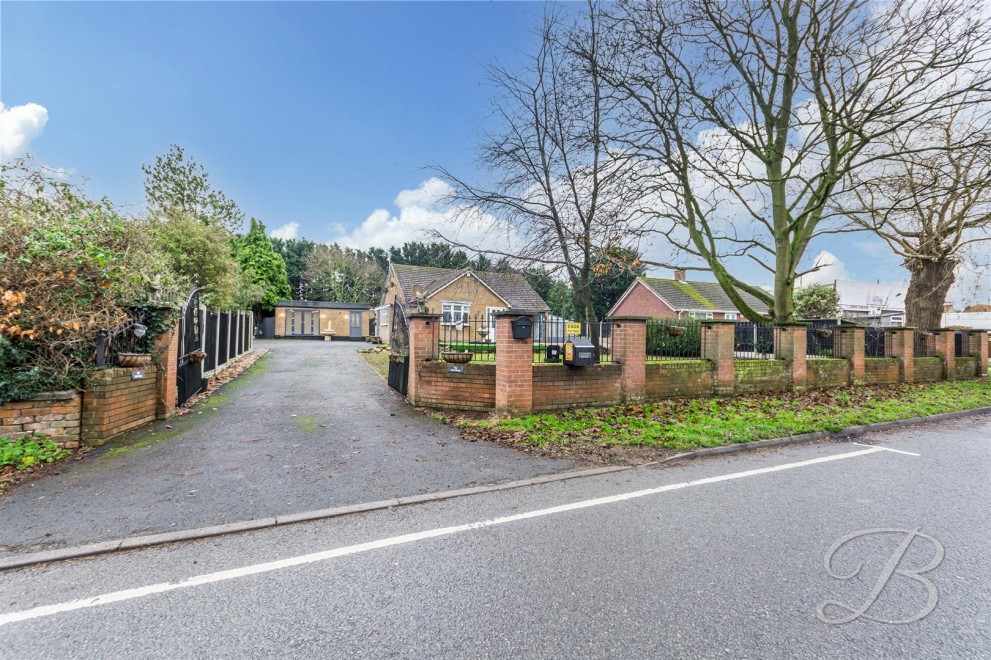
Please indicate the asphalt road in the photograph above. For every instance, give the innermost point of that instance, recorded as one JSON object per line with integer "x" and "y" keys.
{"x": 312, "y": 426}
{"x": 716, "y": 558}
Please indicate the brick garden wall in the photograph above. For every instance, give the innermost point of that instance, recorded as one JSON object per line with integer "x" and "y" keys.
{"x": 881, "y": 371}
{"x": 761, "y": 376}
{"x": 822, "y": 372}
{"x": 114, "y": 403}
{"x": 558, "y": 386}
{"x": 928, "y": 369}
{"x": 674, "y": 378}
{"x": 472, "y": 390}
{"x": 56, "y": 414}
{"x": 966, "y": 367}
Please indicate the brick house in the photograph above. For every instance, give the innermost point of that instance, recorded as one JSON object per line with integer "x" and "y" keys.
{"x": 681, "y": 298}
{"x": 455, "y": 294}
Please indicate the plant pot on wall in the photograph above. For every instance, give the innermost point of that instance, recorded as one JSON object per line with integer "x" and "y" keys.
{"x": 675, "y": 331}
{"x": 457, "y": 357}
{"x": 824, "y": 333}
{"x": 133, "y": 359}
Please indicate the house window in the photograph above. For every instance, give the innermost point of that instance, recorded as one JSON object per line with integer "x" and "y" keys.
{"x": 700, "y": 315}
{"x": 455, "y": 313}
{"x": 730, "y": 316}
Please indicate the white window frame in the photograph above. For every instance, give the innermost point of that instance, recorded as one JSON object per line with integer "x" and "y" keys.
{"x": 449, "y": 306}
{"x": 491, "y": 320}
{"x": 730, "y": 316}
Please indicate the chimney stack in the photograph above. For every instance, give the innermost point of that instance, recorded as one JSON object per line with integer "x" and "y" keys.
{"x": 680, "y": 275}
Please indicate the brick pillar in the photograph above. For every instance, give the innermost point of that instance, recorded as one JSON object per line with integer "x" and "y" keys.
{"x": 849, "y": 344}
{"x": 629, "y": 348}
{"x": 423, "y": 336}
{"x": 977, "y": 345}
{"x": 790, "y": 344}
{"x": 166, "y": 352}
{"x": 514, "y": 366}
{"x": 900, "y": 343}
{"x": 945, "y": 348}
{"x": 718, "y": 338}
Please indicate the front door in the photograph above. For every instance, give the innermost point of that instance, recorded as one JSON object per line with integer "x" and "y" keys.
{"x": 356, "y": 332}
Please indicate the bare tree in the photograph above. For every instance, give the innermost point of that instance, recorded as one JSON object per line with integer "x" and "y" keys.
{"x": 929, "y": 202}
{"x": 560, "y": 199}
{"x": 752, "y": 114}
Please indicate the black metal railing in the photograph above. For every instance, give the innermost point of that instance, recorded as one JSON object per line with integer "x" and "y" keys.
{"x": 958, "y": 343}
{"x": 875, "y": 345}
{"x": 821, "y": 340}
{"x": 753, "y": 340}
{"x": 923, "y": 343}
{"x": 674, "y": 339}
{"x": 457, "y": 336}
{"x": 550, "y": 333}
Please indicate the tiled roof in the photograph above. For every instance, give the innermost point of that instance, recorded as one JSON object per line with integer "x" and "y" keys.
{"x": 511, "y": 287}
{"x": 684, "y": 295}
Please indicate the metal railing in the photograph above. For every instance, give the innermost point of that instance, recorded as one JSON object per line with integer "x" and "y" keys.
{"x": 674, "y": 339}
{"x": 923, "y": 343}
{"x": 465, "y": 335}
{"x": 958, "y": 343}
{"x": 550, "y": 333}
{"x": 821, "y": 339}
{"x": 753, "y": 340}
{"x": 875, "y": 343}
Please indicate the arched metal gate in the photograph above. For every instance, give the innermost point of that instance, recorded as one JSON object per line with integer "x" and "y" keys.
{"x": 399, "y": 353}
{"x": 189, "y": 369}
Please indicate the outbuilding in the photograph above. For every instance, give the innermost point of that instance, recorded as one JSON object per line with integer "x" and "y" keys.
{"x": 315, "y": 319}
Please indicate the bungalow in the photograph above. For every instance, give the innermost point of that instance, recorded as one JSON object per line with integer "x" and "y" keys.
{"x": 313, "y": 319}
{"x": 680, "y": 298}
{"x": 458, "y": 295}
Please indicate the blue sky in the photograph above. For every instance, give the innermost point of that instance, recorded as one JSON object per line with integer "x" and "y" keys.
{"x": 312, "y": 116}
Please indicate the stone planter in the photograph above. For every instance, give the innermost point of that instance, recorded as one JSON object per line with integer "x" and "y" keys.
{"x": 456, "y": 357}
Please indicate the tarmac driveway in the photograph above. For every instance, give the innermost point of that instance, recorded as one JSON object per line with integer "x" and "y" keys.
{"x": 309, "y": 426}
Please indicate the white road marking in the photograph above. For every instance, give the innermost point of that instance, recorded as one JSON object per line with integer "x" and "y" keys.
{"x": 897, "y": 451}
{"x": 267, "y": 567}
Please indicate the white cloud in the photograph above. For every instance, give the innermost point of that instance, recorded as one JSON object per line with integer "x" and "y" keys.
{"x": 19, "y": 125}
{"x": 828, "y": 269}
{"x": 288, "y": 231}
{"x": 420, "y": 215}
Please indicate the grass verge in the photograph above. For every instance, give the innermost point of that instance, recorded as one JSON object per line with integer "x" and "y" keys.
{"x": 651, "y": 430}
{"x": 377, "y": 359}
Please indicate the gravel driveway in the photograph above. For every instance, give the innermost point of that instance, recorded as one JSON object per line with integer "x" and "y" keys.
{"x": 309, "y": 426}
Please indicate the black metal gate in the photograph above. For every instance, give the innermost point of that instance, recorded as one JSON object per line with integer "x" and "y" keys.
{"x": 189, "y": 369}
{"x": 399, "y": 352}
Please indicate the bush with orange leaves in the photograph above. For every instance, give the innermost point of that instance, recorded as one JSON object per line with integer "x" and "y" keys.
{"x": 69, "y": 267}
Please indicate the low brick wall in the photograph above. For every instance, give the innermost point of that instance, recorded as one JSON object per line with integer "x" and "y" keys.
{"x": 472, "y": 390}
{"x": 928, "y": 369}
{"x": 56, "y": 414}
{"x": 558, "y": 386}
{"x": 674, "y": 378}
{"x": 966, "y": 367}
{"x": 761, "y": 376}
{"x": 114, "y": 402}
{"x": 827, "y": 372}
{"x": 882, "y": 371}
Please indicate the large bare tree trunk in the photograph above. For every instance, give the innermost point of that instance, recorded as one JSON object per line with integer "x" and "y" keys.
{"x": 927, "y": 289}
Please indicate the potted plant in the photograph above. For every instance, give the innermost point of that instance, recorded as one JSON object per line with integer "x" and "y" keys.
{"x": 824, "y": 333}
{"x": 675, "y": 330}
